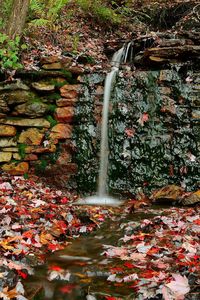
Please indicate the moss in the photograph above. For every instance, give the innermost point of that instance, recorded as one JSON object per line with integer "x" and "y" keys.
{"x": 41, "y": 166}
{"x": 51, "y": 108}
{"x": 22, "y": 150}
{"x": 51, "y": 120}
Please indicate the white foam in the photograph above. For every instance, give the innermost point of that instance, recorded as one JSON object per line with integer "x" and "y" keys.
{"x": 99, "y": 201}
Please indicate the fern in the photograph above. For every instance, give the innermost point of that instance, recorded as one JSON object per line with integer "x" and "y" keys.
{"x": 45, "y": 12}
{"x": 39, "y": 22}
{"x": 37, "y": 7}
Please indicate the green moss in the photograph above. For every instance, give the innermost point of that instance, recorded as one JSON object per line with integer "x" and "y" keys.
{"x": 41, "y": 166}
{"x": 51, "y": 120}
{"x": 51, "y": 108}
{"x": 22, "y": 150}
{"x": 54, "y": 96}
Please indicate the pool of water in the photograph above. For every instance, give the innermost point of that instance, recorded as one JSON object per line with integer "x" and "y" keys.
{"x": 80, "y": 271}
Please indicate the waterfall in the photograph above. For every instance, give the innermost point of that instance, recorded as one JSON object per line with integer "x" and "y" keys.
{"x": 109, "y": 83}
{"x": 102, "y": 197}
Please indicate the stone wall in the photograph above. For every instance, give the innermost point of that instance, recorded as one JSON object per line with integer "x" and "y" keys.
{"x": 154, "y": 130}
{"x": 36, "y": 116}
{"x": 50, "y": 125}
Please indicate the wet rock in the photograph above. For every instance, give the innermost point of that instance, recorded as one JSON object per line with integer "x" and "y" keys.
{"x": 7, "y": 142}
{"x": 31, "y": 136}
{"x": 16, "y": 169}
{"x": 43, "y": 86}
{"x": 33, "y": 109}
{"x": 61, "y": 131}
{"x": 64, "y": 114}
{"x": 6, "y": 130}
{"x": 70, "y": 91}
{"x": 5, "y": 156}
{"x": 38, "y": 122}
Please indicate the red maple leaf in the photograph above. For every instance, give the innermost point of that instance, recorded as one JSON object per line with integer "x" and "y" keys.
{"x": 55, "y": 268}
{"x": 22, "y": 274}
{"x": 67, "y": 288}
{"x": 129, "y": 265}
{"x": 64, "y": 200}
{"x": 143, "y": 118}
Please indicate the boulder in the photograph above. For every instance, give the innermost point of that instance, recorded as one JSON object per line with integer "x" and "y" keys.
{"x": 39, "y": 122}
{"x": 7, "y": 130}
{"x": 61, "y": 131}
{"x": 16, "y": 169}
{"x": 31, "y": 136}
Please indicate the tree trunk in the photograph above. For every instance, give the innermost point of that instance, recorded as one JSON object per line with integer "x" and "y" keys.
{"x": 17, "y": 18}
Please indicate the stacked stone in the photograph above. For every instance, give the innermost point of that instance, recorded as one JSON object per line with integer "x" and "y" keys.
{"x": 36, "y": 120}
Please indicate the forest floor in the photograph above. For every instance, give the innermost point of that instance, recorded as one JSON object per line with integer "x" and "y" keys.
{"x": 154, "y": 256}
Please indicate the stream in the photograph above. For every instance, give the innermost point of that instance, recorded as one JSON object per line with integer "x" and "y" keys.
{"x": 83, "y": 265}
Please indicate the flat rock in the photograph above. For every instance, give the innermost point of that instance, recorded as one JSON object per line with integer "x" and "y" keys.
{"x": 7, "y": 142}
{"x": 66, "y": 102}
{"x": 16, "y": 169}
{"x": 5, "y": 156}
{"x": 31, "y": 136}
{"x": 70, "y": 91}
{"x": 16, "y": 85}
{"x": 61, "y": 131}
{"x": 39, "y": 149}
{"x": 49, "y": 59}
{"x": 33, "y": 110}
{"x": 39, "y": 122}
{"x": 16, "y": 97}
{"x": 7, "y": 130}
{"x": 43, "y": 86}
{"x": 52, "y": 66}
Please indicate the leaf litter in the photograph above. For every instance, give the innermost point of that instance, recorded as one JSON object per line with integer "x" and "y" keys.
{"x": 154, "y": 258}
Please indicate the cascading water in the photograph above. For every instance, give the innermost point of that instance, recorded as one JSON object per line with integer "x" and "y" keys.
{"x": 102, "y": 197}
